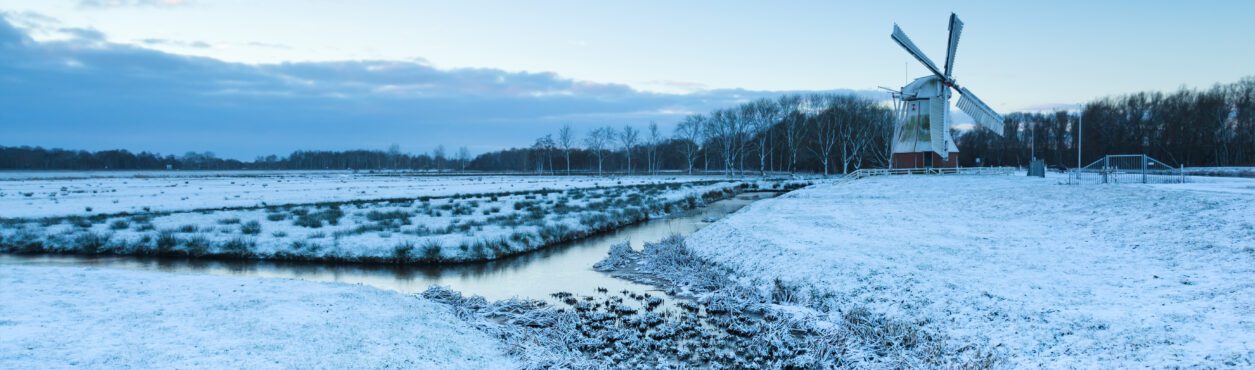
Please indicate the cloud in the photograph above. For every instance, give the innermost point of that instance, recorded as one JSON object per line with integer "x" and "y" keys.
{"x": 84, "y": 92}
{"x": 101, "y": 4}
{"x": 176, "y": 43}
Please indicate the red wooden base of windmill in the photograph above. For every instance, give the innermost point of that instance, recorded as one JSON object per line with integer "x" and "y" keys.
{"x": 924, "y": 160}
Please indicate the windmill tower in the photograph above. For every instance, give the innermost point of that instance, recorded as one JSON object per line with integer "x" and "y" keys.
{"x": 922, "y": 137}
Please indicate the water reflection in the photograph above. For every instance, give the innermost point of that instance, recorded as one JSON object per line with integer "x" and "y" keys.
{"x": 532, "y": 275}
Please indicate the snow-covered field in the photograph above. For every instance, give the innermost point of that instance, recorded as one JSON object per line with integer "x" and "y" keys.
{"x": 1040, "y": 274}
{"x": 1221, "y": 171}
{"x": 70, "y": 317}
{"x": 464, "y": 226}
{"x": 40, "y": 194}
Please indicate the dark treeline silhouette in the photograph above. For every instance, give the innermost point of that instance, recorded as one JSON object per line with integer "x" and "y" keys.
{"x": 1210, "y": 127}
{"x": 35, "y": 158}
{"x": 821, "y": 133}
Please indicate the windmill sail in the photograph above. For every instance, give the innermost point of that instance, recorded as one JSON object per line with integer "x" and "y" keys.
{"x": 956, "y": 29}
{"x": 937, "y": 131}
{"x": 905, "y": 42}
{"x": 981, "y": 113}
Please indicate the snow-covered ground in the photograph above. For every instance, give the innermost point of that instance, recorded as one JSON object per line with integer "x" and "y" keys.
{"x": 1039, "y": 273}
{"x": 38, "y": 194}
{"x": 71, "y": 317}
{"x": 466, "y": 227}
{"x": 1221, "y": 171}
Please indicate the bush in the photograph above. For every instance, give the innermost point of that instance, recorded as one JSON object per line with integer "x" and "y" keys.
{"x": 331, "y": 216}
{"x": 431, "y": 251}
{"x": 229, "y": 221}
{"x": 119, "y": 225}
{"x": 197, "y": 246}
{"x": 251, "y": 228}
{"x": 90, "y": 243}
{"x": 402, "y": 253}
{"x": 238, "y": 247}
{"x": 166, "y": 242}
{"x": 389, "y": 216}
{"x": 189, "y": 228}
{"x": 276, "y": 217}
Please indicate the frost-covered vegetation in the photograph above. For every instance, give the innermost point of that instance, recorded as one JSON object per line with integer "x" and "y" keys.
{"x": 49, "y": 194}
{"x": 425, "y": 229}
{"x": 1038, "y": 273}
{"x": 730, "y": 323}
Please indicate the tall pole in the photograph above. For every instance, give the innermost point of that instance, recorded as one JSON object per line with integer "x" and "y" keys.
{"x": 1080, "y": 130}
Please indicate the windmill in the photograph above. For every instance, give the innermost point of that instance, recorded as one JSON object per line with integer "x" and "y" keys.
{"x": 921, "y": 137}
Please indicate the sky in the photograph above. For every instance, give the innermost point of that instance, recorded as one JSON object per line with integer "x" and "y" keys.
{"x": 248, "y": 78}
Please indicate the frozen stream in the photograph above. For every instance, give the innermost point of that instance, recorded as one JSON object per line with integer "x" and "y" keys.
{"x": 533, "y": 275}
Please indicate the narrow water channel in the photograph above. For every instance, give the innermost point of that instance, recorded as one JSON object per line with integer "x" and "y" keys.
{"x": 534, "y": 275}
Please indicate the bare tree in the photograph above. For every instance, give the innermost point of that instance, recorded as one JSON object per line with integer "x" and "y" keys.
{"x": 596, "y": 141}
{"x": 690, "y": 132}
{"x": 544, "y": 147}
{"x": 794, "y": 117}
{"x": 438, "y": 156}
{"x": 827, "y": 128}
{"x": 566, "y": 139}
{"x": 464, "y": 157}
{"x": 763, "y": 115}
{"x": 724, "y": 127}
{"x": 653, "y": 139}
{"x": 628, "y": 139}
{"x": 394, "y": 154}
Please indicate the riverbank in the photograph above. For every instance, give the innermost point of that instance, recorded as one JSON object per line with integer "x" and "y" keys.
{"x": 459, "y": 228}
{"x": 1036, "y": 273}
{"x": 82, "y": 317}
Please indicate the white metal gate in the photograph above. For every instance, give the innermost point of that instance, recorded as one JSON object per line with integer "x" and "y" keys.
{"x": 1127, "y": 169}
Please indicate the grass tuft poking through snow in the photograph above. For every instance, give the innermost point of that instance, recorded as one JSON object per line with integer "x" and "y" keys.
{"x": 458, "y": 228}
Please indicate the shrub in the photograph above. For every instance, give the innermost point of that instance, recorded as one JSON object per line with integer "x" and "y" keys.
{"x": 251, "y": 228}
{"x": 402, "y": 253}
{"x": 279, "y": 234}
{"x": 229, "y": 221}
{"x": 431, "y": 250}
{"x": 276, "y": 217}
{"x": 189, "y": 228}
{"x": 397, "y": 216}
{"x": 331, "y": 215}
{"x": 119, "y": 225}
{"x": 197, "y": 245}
{"x": 238, "y": 247}
{"x": 90, "y": 243}
{"x": 166, "y": 242}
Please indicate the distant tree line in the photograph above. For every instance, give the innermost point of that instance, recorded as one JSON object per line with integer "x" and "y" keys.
{"x": 1208, "y": 127}
{"x": 819, "y": 133}
{"x": 36, "y": 158}
{"x": 824, "y": 133}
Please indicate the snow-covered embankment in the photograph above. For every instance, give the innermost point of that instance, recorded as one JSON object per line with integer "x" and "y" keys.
{"x": 59, "y": 317}
{"x": 1039, "y": 273}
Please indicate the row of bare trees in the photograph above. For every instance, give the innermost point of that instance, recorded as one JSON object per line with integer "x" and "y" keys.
{"x": 815, "y": 132}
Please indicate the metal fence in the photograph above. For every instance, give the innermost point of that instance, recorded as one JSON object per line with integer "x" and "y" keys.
{"x": 1127, "y": 169}
{"x": 869, "y": 172}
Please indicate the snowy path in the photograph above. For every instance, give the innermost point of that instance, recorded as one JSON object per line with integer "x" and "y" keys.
{"x": 58, "y": 317}
{"x": 1088, "y": 276}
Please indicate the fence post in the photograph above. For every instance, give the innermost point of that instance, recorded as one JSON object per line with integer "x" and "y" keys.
{"x": 1182, "y": 173}
{"x": 1143, "y": 168}
{"x": 1106, "y": 165}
